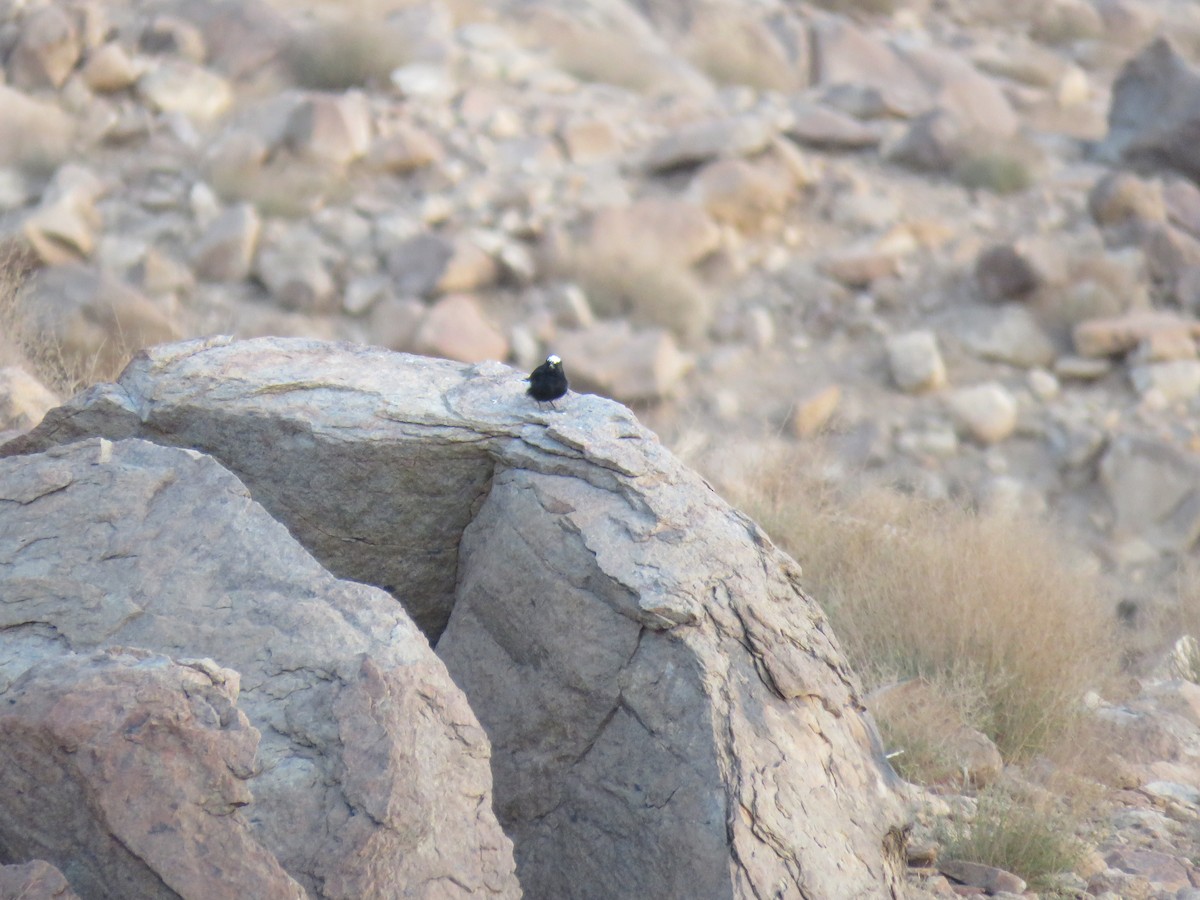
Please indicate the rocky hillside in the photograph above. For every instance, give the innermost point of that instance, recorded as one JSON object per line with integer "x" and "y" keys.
{"x": 955, "y": 244}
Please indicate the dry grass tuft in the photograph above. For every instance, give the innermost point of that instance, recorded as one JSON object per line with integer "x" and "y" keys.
{"x": 1000, "y": 171}
{"x": 1026, "y": 833}
{"x": 33, "y": 336}
{"x": 989, "y": 609}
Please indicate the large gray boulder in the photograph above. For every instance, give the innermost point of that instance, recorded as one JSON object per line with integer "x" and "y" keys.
{"x": 669, "y": 713}
{"x": 371, "y": 778}
{"x": 1155, "y": 111}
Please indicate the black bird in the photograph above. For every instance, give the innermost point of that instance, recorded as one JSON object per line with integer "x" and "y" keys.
{"x": 548, "y": 381}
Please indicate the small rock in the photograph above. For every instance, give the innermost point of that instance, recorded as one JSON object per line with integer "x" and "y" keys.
{"x": 333, "y": 128}
{"x": 1175, "y": 380}
{"x": 1164, "y": 346}
{"x": 1074, "y": 88}
{"x": 417, "y": 264}
{"x": 456, "y": 328}
{"x": 1162, "y": 870}
{"x": 226, "y": 249}
{"x": 109, "y": 69}
{"x": 61, "y": 232}
{"x": 1152, "y": 491}
{"x": 987, "y": 412}
{"x": 1121, "y": 197}
{"x": 935, "y": 141}
{"x": 293, "y": 269}
{"x": 62, "y": 229}
{"x": 185, "y": 88}
{"x": 363, "y": 292}
{"x": 700, "y": 142}
{"x": 1013, "y": 271}
{"x": 32, "y": 132}
{"x": 915, "y": 362}
{"x": 868, "y": 260}
{"x": 1182, "y": 199}
{"x": 1004, "y": 495}
{"x": 588, "y": 141}
{"x": 989, "y": 878}
{"x": 630, "y": 366}
{"x": 468, "y": 268}
{"x": 1170, "y": 791}
{"x": 814, "y": 411}
{"x": 674, "y": 231}
{"x": 1042, "y": 384}
{"x": 1081, "y": 368}
{"x": 1119, "y": 334}
{"x": 162, "y": 274}
{"x": 1169, "y": 252}
{"x": 405, "y": 149}
{"x": 1012, "y": 336}
{"x": 827, "y": 129}
{"x": 938, "y": 442}
{"x": 426, "y": 81}
{"x": 740, "y": 193}
{"x": 759, "y": 328}
{"x": 46, "y": 51}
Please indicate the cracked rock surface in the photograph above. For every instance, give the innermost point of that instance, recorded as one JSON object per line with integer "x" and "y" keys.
{"x": 371, "y": 777}
{"x": 669, "y": 713}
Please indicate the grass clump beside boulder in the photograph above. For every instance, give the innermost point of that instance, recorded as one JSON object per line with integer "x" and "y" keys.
{"x": 1001, "y": 172}
{"x": 1028, "y": 836}
{"x": 992, "y": 611}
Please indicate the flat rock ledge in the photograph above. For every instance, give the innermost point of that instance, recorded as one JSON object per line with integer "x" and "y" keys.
{"x": 668, "y": 712}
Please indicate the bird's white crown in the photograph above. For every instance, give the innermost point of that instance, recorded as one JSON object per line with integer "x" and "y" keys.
{"x": 553, "y": 360}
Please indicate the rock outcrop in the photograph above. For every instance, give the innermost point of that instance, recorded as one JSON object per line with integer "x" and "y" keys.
{"x": 138, "y": 767}
{"x": 669, "y": 713}
{"x": 87, "y": 739}
{"x": 34, "y": 880}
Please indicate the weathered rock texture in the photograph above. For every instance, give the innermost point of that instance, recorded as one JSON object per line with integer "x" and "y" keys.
{"x": 669, "y": 714}
{"x": 35, "y": 880}
{"x": 371, "y": 778}
{"x": 87, "y": 739}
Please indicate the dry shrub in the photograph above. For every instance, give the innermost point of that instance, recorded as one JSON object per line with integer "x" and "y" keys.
{"x": 339, "y": 56}
{"x": 1001, "y": 171}
{"x": 65, "y": 353}
{"x": 1023, "y": 832}
{"x": 636, "y": 283}
{"x": 916, "y": 732}
{"x": 990, "y": 609}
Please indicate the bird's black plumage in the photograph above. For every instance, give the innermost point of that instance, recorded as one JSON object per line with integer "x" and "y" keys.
{"x": 548, "y": 381}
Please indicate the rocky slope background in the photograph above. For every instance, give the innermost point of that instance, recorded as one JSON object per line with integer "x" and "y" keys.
{"x": 949, "y": 246}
